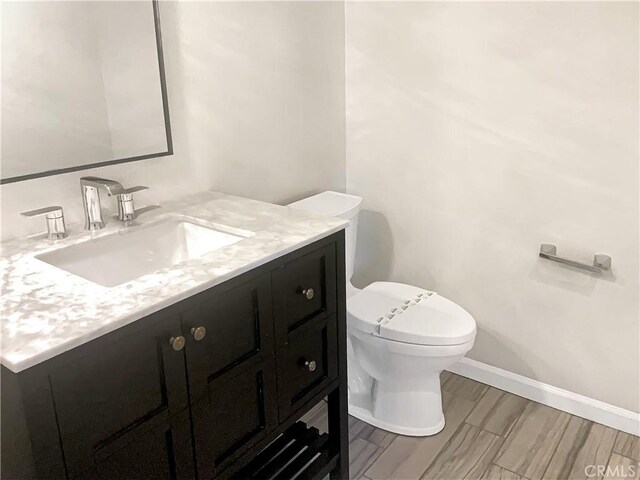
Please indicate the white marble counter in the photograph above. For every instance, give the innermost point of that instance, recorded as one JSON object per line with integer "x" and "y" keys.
{"x": 46, "y": 311}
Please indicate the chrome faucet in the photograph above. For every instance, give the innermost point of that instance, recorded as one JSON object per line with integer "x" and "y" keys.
{"x": 91, "y": 201}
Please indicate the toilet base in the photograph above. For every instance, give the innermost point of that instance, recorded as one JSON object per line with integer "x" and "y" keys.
{"x": 407, "y": 408}
{"x": 367, "y": 417}
{"x": 396, "y": 386}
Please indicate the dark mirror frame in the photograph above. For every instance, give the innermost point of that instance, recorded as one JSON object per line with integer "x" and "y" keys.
{"x": 167, "y": 123}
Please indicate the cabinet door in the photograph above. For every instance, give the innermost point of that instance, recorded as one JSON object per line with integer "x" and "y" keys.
{"x": 231, "y": 369}
{"x": 225, "y": 329}
{"x": 164, "y": 452}
{"x": 239, "y": 411}
{"x": 304, "y": 289}
{"x": 112, "y": 394}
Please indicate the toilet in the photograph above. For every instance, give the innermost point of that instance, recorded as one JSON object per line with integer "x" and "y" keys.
{"x": 399, "y": 339}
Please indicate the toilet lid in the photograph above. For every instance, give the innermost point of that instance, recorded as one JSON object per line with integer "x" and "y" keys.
{"x": 409, "y": 314}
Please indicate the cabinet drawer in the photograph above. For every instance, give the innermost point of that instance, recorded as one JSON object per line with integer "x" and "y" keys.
{"x": 304, "y": 289}
{"x": 307, "y": 364}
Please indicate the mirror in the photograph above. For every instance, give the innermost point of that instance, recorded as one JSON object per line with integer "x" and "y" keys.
{"x": 83, "y": 86}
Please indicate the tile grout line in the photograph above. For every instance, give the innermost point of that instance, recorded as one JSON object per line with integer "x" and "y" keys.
{"x": 475, "y": 404}
{"x": 506, "y": 435}
{"x": 524, "y": 407}
{"x": 632, "y": 460}
{"x": 371, "y": 459}
{"x": 621, "y": 450}
{"x": 462, "y": 424}
{"x": 521, "y": 411}
{"x": 443, "y": 448}
{"x": 506, "y": 469}
{"x": 555, "y": 450}
{"x": 489, "y": 447}
{"x": 610, "y": 455}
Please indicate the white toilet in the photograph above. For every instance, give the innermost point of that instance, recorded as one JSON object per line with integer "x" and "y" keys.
{"x": 400, "y": 338}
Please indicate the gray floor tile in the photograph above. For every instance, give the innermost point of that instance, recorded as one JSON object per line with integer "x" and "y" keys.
{"x": 371, "y": 434}
{"x": 497, "y": 411}
{"x": 627, "y": 445}
{"x": 409, "y": 457}
{"x": 361, "y": 455}
{"x": 466, "y": 455}
{"x": 464, "y": 387}
{"x": 583, "y": 443}
{"x": 528, "y": 448}
{"x": 622, "y": 468}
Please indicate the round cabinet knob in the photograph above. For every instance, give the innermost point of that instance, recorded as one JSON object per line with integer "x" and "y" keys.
{"x": 309, "y": 293}
{"x": 177, "y": 343}
{"x": 198, "y": 333}
{"x": 311, "y": 365}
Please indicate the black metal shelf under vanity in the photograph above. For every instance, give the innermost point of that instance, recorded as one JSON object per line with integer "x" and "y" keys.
{"x": 301, "y": 452}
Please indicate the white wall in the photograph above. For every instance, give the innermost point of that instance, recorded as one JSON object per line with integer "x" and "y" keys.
{"x": 477, "y": 131}
{"x": 266, "y": 95}
{"x": 278, "y": 135}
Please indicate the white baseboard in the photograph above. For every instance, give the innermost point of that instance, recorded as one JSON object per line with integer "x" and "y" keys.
{"x": 573, "y": 403}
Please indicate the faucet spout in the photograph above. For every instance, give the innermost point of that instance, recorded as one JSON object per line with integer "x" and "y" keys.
{"x": 111, "y": 186}
{"x": 89, "y": 187}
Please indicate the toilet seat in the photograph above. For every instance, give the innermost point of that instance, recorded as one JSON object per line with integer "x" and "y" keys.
{"x": 408, "y": 314}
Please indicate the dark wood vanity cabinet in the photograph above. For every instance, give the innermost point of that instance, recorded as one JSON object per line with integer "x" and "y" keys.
{"x": 196, "y": 390}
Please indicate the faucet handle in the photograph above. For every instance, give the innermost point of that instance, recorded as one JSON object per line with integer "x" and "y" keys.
{"x": 56, "y": 229}
{"x": 128, "y": 191}
{"x": 54, "y": 210}
{"x": 126, "y": 209}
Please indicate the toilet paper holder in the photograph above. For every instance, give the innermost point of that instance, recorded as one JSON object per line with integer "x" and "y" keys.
{"x": 601, "y": 262}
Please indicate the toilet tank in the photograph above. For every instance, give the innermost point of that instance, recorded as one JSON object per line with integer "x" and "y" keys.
{"x": 337, "y": 205}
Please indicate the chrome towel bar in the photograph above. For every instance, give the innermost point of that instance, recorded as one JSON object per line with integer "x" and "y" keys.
{"x": 600, "y": 262}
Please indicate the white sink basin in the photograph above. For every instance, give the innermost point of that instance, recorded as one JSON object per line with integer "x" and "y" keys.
{"x": 124, "y": 256}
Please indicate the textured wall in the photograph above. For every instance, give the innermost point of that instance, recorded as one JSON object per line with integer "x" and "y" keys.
{"x": 265, "y": 103}
{"x": 477, "y": 131}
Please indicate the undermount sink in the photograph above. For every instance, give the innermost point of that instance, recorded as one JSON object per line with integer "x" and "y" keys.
{"x": 126, "y": 255}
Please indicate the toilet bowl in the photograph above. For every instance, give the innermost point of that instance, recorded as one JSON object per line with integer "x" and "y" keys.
{"x": 399, "y": 339}
{"x": 402, "y": 338}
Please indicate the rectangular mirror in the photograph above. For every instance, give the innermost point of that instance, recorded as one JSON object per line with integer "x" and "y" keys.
{"x": 83, "y": 86}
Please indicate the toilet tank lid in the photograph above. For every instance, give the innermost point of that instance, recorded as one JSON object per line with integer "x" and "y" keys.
{"x": 330, "y": 203}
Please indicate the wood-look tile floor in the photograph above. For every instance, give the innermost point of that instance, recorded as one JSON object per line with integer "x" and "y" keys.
{"x": 494, "y": 435}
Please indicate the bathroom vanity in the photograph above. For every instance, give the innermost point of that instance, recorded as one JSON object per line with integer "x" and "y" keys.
{"x": 200, "y": 370}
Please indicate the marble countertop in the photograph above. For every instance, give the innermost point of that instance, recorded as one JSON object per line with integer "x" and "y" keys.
{"x": 46, "y": 311}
